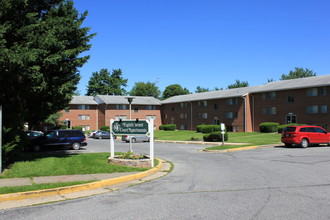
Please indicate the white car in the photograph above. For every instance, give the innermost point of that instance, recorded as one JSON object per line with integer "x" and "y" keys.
{"x": 135, "y": 138}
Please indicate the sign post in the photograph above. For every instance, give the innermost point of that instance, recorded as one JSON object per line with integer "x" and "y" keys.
{"x": 223, "y": 128}
{"x": 132, "y": 127}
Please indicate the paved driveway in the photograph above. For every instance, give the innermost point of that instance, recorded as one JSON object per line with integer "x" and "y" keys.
{"x": 267, "y": 183}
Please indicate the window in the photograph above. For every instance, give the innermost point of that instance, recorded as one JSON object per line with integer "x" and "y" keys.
{"x": 183, "y": 105}
{"x": 216, "y": 106}
{"x": 183, "y": 116}
{"x": 312, "y": 109}
{"x": 136, "y": 110}
{"x": 121, "y": 107}
{"x": 150, "y": 107}
{"x": 83, "y": 107}
{"x": 268, "y": 111}
{"x": 311, "y": 92}
{"x": 85, "y": 127}
{"x": 67, "y": 109}
{"x": 323, "y": 91}
{"x": 268, "y": 95}
{"x": 117, "y": 117}
{"x": 202, "y": 115}
{"x": 183, "y": 127}
{"x": 231, "y": 114}
{"x": 290, "y": 99}
{"x": 202, "y": 103}
{"x": 323, "y": 109}
{"x": 83, "y": 117}
{"x": 232, "y": 101}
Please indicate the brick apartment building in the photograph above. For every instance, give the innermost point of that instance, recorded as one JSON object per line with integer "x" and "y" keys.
{"x": 304, "y": 100}
{"x": 91, "y": 113}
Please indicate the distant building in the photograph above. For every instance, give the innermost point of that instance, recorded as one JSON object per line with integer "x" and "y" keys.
{"x": 303, "y": 101}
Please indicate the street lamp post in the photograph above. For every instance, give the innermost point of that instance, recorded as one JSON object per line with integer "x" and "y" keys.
{"x": 130, "y": 100}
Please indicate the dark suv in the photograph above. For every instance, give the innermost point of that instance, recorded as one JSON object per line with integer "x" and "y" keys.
{"x": 305, "y": 136}
{"x": 73, "y": 139}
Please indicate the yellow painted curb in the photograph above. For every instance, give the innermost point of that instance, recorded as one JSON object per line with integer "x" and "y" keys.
{"x": 232, "y": 149}
{"x": 82, "y": 187}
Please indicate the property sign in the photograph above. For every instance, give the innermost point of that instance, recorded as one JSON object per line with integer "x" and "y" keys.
{"x": 129, "y": 127}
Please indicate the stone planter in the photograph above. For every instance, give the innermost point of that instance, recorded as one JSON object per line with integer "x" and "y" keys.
{"x": 142, "y": 163}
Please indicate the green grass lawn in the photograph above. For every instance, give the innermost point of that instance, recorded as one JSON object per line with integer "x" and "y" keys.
{"x": 52, "y": 164}
{"x": 29, "y": 164}
{"x": 248, "y": 138}
{"x": 233, "y": 137}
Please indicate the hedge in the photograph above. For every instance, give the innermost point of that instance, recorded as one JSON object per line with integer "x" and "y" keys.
{"x": 205, "y": 129}
{"x": 168, "y": 127}
{"x": 268, "y": 127}
{"x": 105, "y": 128}
{"x": 77, "y": 128}
{"x": 215, "y": 137}
{"x": 281, "y": 127}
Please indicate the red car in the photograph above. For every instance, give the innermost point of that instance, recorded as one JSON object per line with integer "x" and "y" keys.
{"x": 305, "y": 136}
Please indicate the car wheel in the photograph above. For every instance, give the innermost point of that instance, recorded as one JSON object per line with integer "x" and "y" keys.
{"x": 76, "y": 146}
{"x": 133, "y": 140}
{"x": 329, "y": 143}
{"x": 36, "y": 148}
{"x": 288, "y": 145}
{"x": 304, "y": 143}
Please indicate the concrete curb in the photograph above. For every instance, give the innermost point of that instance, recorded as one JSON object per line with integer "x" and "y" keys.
{"x": 82, "y": 187}
{"x": 237, "y": 149}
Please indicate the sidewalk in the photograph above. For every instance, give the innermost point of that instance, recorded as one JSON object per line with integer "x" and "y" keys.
{"x": 58, "y": 179}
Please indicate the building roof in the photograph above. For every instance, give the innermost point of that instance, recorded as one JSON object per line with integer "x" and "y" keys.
{"x": 316, "y": 81}
{"x": 137, "y": 100}
{"x": 81, "y": 100}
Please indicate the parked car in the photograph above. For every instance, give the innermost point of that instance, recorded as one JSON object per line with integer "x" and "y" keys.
{"x": 102, "y": 135}
{"x": 91, "y": 133}
{"x": 305, "y": 136}
{"x": 73, "y": 139}
{"x": 135, "y": 138}
{"x": 33, "y": 134}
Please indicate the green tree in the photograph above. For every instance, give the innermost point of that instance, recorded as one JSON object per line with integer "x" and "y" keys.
{"x": 201, "y": 89}
{"x": 104, "y": 83}
{"x": 40, "y": 46}
{"x": 145, "y": 89}
{"x": 173, "y": 90}
{"x": 298, "y": 73}
{"x": 238, "y": 84}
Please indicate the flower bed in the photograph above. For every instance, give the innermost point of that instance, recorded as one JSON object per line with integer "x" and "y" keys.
{"x": 141, "y": 161}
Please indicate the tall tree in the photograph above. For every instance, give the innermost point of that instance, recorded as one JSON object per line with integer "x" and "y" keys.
{"x": 298, "y": 73}
{"x": 238, "y": 84}
{"x": 104, "y": 83}
{"x": 40, "y": 46}
{"x": 201, "y": 89}
{"x": 145, "y": 89}
{"x": 173, "y": 90}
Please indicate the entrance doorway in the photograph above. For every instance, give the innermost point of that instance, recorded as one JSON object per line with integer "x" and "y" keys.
{"x": 291, "y": 118}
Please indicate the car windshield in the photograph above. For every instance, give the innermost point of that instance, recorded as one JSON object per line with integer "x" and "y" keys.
{"x": 290, "y": 129}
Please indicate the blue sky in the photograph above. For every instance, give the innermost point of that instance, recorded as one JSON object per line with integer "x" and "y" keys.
{"x": 207, "y": 43}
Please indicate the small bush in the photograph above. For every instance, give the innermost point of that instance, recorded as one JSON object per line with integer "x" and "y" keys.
{"x": 105, "y": 128}
{"x": 77, "y": 128}
{"x": 169, "y": 127}
{"x": 199, "y": 128}
{"x": 207, "y": 129}
{"x": 268, "y": 127}
{"x": 215, "y": 137}
{"x": 281, "y": 127}
{"x": 161, "y": 127}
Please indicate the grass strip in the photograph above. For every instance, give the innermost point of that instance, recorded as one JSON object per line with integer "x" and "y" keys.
{"x": 54, "y": 164}
{"x": 16, "y": 189}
